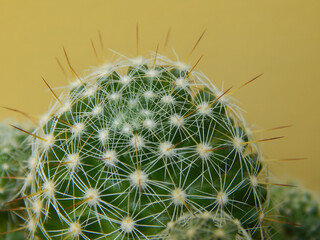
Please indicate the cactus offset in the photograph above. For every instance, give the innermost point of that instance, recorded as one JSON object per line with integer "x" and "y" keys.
{"x": 206, "y": 226}
{"x": 12, "y": 157}
{"x": 298, "y": 206}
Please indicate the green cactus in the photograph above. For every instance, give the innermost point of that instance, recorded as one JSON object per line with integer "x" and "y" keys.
{"x": 300, "y": 208}
{"x": 206, "y": 226}
{"x": 135, "y": 145}
{"x": 12, "y": 157}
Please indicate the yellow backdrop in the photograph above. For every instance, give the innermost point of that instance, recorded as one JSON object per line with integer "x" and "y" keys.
{"x": 243, "y": 39}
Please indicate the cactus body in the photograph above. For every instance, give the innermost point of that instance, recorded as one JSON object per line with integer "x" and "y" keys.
{"x": 298, "y": 206}
{"x": 12, "y": 157}
{"x": 135, "y": 145}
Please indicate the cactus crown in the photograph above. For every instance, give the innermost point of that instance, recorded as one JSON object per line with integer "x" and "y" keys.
{"x": 133, "y": 146}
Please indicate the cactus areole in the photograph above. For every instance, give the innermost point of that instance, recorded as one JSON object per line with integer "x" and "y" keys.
{"x": 133, "y": 146}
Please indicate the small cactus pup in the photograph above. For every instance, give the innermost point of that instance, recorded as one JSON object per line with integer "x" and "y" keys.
{"x": 300, "y": 208}
{"x": 206, "y": 226}
{"x": 12, "y": 158}
{"x": 135, "y": 145}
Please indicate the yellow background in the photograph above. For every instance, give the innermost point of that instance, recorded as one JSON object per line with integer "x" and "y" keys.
{"x": 244, "y": 38}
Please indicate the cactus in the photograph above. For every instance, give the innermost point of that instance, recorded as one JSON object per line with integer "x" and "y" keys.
{"x": 136, "y": 145}
{"x": 206, "y": 226}
{"x": 12, "y": 156}
{"x": 300, "y": 208}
